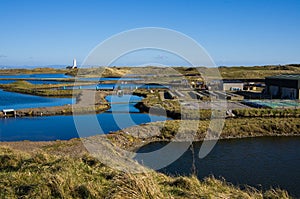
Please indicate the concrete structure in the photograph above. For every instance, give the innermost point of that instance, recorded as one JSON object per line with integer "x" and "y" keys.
{"x": 232, "y": 86}
{"x": 285, "y": 86}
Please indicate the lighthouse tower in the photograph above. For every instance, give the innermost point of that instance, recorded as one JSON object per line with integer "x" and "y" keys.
{"x": 74, "y": 64}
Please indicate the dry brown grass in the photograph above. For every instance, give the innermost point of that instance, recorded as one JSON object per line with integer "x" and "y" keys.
{"x": 42, "y": 175}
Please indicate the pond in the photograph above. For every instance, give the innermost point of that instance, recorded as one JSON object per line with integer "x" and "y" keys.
{"x": 9, "y": 81}
{"x": 36, "y": 76}
{"x": 63, "y": 128}
{"x": 20, "y": 101}
{"x": 259, "y": 162}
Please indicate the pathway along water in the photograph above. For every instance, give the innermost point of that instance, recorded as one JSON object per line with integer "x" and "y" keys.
{"x": 264, "y": 163}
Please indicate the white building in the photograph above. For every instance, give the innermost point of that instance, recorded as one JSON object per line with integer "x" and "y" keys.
{"x": 74, "y": 64}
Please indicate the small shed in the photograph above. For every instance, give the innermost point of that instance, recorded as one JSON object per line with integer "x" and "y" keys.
{"x": 8, "y": 112}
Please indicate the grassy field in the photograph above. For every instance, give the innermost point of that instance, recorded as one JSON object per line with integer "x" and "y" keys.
{"x": 43, "y": 175}
{"x": 257, "y": 71}
{"x": 243, "y": 72}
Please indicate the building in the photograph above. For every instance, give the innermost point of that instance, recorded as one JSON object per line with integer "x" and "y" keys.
{"x": 285, "y": 86}
{"x": 232, "y": 85}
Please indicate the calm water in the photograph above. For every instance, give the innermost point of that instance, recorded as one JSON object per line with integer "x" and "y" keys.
{"x": 127, "y": 103}
{"x": 115, "y": 86}
{"x": 259, "y": 162}
{"x": 33, "y": 76}
{"x": 63, "y": 127}
{"x": 35, "y": 82}
{"x": 36, "y": 76}
{"x": 20, "y": 101}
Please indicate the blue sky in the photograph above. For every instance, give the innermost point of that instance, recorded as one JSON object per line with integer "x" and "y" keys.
{"x": 233, "y": 32}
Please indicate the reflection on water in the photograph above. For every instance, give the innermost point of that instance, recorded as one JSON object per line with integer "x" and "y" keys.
{"x": 260, "y": 162}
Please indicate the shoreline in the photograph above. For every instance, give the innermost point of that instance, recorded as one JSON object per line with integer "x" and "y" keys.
{"x": 81, "y": 107}
{"x": 117, "y": 138}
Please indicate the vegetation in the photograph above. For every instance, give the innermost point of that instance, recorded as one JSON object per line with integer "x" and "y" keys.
{"x": 99, "y": 72}
{"x": 37, "y": 89}
{"x": 183, "y": 129}
{"x": 242, "y": 72}
{"x": 237, "y": 72}
{"x": 266, "y": 112}
{"x": 41, "y": 175}
{"x": 256, "y": 72}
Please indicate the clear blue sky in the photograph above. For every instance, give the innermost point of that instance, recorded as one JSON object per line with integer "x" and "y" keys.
{"x": 234, "y": 32}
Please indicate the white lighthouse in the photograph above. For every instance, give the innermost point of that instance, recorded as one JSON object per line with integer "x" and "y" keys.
{"x": 74, "y": 64}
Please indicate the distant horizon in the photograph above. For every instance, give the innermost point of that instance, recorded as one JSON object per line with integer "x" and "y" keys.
{"x": 62, "y": 66}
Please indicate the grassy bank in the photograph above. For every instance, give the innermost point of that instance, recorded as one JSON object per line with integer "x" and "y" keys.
{"x": 233, "y": 128}
{"x": 37, "y": 89}
{"x": 42, "y": 175}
